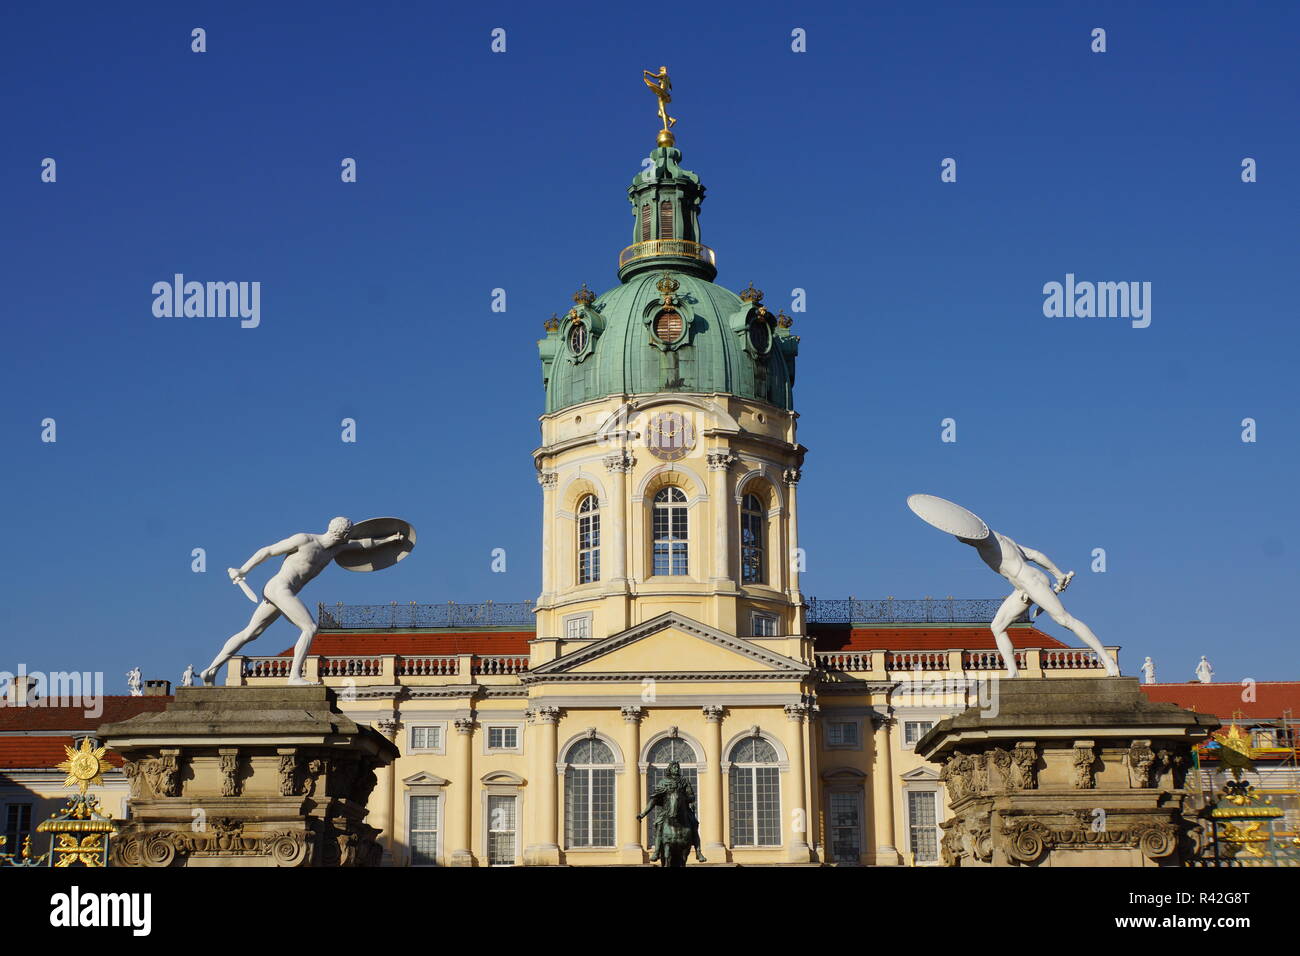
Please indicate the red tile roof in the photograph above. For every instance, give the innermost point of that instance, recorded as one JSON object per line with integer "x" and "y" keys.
{"x": 74, "y": 718}
{"x": 936, "y": 638}
{"x": 40, "y": 753}
{"x": 342, "y": 643}
{"x": 1223, "y": 700}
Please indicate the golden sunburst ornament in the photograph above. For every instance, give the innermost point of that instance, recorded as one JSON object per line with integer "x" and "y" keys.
{"x": 85, "y": 767}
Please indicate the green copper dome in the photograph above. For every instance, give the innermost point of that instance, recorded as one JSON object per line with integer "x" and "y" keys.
{"x": 667, "y": 327}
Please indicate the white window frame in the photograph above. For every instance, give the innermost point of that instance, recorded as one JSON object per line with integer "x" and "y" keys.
{"x": 903, "y": 742}
{"x": 439, "y": 725}
{"x": 516, "y": 725}
{"x": 583, "y": 618}
{"x": 490, "y": 794}
{"x": 932, "y": 789}
{"x": 440, "y": 804}
{"x": 857, "y": 729}
{"x": 769, "y": 617}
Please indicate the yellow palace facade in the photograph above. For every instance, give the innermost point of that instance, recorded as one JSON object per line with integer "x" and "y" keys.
{"x": 670, "y": 623}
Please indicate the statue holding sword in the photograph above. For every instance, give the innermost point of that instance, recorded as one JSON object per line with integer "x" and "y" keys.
{"x": 306, "y": 555}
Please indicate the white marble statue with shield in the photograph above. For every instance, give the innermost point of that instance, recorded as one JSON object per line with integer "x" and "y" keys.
{"x": 1015, "y": 563}
{"x": 369, "y": 546}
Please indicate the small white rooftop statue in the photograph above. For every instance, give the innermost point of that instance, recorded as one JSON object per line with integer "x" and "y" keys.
{"x": 1148, "y": 671}
{"x": 1204, "y": 672}
{"x": 306, "y": 555}
{"x": 1012, "y": 561}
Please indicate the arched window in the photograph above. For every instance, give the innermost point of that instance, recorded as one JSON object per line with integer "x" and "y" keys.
{"x": 589, "y": 794}
{"x": 661, "y": 755}
{"x": 755, "y": 794}
{"x": 670, "y": 531}
{"x": 588, "y": 540}
{"x": 753, "y": 521}
{"x": 665, "y": 220}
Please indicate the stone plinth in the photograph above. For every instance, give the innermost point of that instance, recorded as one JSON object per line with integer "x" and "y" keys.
{"x": 248, "y": 776}
{"x": 1067, "y": 772}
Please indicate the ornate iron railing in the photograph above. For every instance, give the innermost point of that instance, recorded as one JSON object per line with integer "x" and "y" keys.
{"x": 928, "y": 610}
{"x": 450, "y": 614}
{"x": 666, "y": 247}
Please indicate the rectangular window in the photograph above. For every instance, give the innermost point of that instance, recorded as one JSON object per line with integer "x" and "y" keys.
{"x": 503, "y": 738}
{"x": 922, "y": 824}
{"x": 755, "y": 806}
{"x": 842, "y": 733}
{"x": 578, "y": 627}
{"x": 502, "y": 826}
{"x": 426, "y": 738}
{"x": 763, "y": 625}
{"x": 665, "y": 220}
{"x": 846, "y": 827}
{"x": 18, "y": 825}
{"x": 914, "y": 730}
{"x": 423, "y": 831}
{"x": 589, "y": 807}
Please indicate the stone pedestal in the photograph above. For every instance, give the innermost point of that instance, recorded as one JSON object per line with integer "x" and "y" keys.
{"x": 248, "y": 776}
{"x": 1067, "y": 772}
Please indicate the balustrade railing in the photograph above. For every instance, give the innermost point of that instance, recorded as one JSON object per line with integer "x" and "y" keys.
{"x": 449, "y": 614}
{"x": 947, "y": 610}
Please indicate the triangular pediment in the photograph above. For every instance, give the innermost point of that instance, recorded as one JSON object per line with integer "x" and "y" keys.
{"x": 671, "y": 644}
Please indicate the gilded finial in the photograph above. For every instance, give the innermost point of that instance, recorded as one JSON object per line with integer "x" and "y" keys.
{"x": 667, "y": 285}
{"x": 552, "y": 324}
{"x": 751, "y": 294}
{"x": 662, "y": 88}
{"x": 584, "y": 296}
{"x": 782, "y": 320}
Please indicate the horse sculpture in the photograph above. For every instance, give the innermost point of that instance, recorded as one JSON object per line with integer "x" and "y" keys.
{"x": 676, "y": 828}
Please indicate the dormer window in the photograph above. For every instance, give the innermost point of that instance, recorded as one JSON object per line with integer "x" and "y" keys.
{"x": 669, "y": 325}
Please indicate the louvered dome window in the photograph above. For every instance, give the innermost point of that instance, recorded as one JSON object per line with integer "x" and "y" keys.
{"x": 668, "y": 325}
{"x": 645, "y": 222}
{"x": 665, "y": 220}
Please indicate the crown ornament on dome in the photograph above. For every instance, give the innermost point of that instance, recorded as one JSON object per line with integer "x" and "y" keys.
{"x": 552, "y": 324}
{"x": 584, "y": 296}
{"x": 782, "y": 320}
{"x": 751, "y": 294}
{"x": 667, "y": 287}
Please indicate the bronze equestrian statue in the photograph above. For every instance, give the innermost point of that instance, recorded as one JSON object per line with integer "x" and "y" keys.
{"x": 676, "y": 827}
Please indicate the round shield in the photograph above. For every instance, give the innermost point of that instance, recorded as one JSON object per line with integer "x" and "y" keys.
{"x": 947, "y": 516}
{"x": 385, "y": 556}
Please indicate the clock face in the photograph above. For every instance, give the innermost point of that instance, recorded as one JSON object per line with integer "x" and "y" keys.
{"x": 670, "y": 436}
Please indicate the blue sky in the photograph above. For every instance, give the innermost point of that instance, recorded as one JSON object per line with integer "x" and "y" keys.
{"x": 479, "y": 170}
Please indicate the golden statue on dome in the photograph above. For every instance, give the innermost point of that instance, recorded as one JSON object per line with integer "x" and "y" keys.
{"x": 662, "y": 87}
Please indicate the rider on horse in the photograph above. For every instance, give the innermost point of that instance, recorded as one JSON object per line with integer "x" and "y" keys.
{"x": 673, "y": 785}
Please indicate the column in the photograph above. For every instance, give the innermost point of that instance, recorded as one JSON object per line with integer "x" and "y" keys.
{"x": 796, "y": 812}
{"x": 462, "y": 833}
{"x": 816, "y": 839}
{"x": 630, "y": 796}
{"x": 614, "y": 532}
{"x": 548, "y": 480}
{"x": 545, "y": 850}
{"x": 719, "y": 463}
{"x": 711, "y": 807}
{"x": 882, "y": 794}
{"x": 382, "y": 801}
{"x": 792, "y": 476}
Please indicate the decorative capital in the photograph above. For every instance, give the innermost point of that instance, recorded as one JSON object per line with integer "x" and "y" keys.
{"x": 750, "y": 294}
{"x": 619, "y": 462}
{"x": 791, "y": 476}
{"x": 464, "y": 725}
{"x": 584, "y": 296}
{"x": 546, "y": 715}
{"x": 386, "y": 726}
{"x": 713, "y": 713}
{"x": 796, "y": 712}
{"x": 548, "y": 479}
{"x": 632, "y": 714}
{"x": 720, "y": 460}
